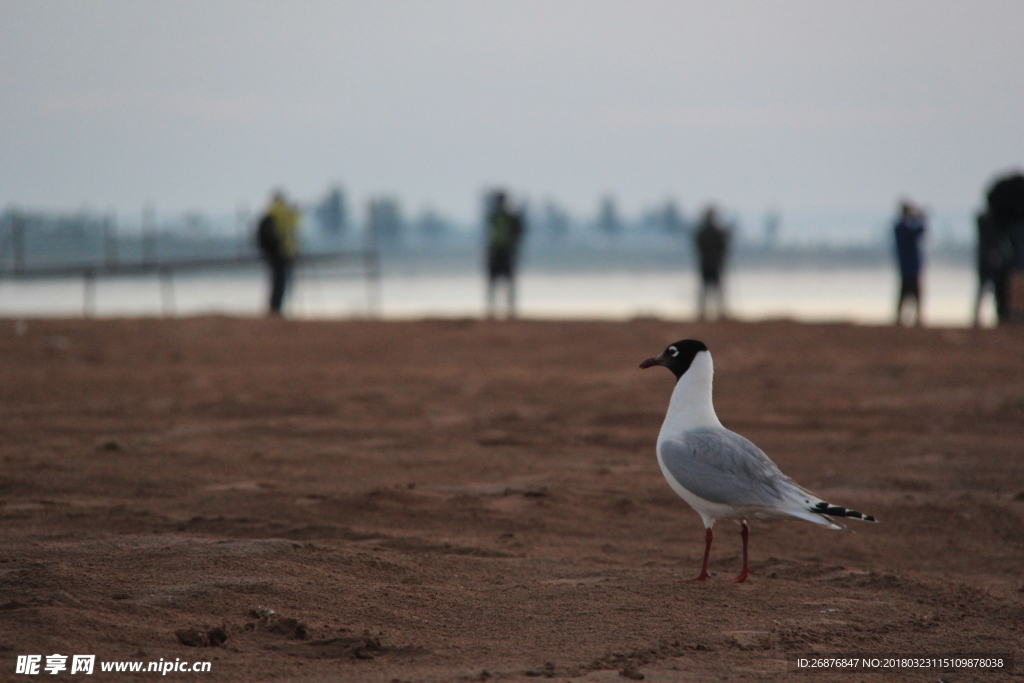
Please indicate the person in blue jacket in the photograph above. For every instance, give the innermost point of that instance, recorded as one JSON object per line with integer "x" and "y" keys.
{"x": 909, "y": 232}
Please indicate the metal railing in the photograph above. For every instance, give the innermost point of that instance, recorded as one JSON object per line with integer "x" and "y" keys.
{"x": 14, "y": 265}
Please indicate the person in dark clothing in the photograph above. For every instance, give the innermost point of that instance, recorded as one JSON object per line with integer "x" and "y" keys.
{"x": 712, "y": 243}
{"x": 909, "y": 232}
{"x": 1005, "y": 214}
{"x": 505, "y": 229}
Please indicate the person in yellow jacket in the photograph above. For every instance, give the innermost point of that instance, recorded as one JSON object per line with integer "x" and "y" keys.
{"x": 278, "y": 241}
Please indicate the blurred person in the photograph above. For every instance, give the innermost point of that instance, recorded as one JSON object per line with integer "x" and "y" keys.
{"x": 712, "y": 243}
{"x": 504, "y": 234}
{"x": 909, "y": 233}
{"x": 1005, "y": 211}
{"x": 277, "y": 235}
{"x": 988, "y": 262}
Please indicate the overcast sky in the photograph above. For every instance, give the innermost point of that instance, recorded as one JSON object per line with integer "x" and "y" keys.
{"x": 802, "y": 106}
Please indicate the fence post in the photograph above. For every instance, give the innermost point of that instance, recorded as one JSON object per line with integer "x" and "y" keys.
{"x": 242, "y": 229}
{"x": 149, "y": 235}
{"x": 89, "y": 302}
{"x": 374, "y": 294}
{"x": 167, "y": 291}
{"x": 110, "y": 240}
{"x": 18, "y": 240}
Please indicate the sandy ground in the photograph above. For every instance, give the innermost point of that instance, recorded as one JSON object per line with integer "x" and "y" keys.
{"x": 463, "y": 500}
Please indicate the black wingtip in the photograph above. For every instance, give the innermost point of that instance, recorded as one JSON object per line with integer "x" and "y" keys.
{"x": 824, "y": 508}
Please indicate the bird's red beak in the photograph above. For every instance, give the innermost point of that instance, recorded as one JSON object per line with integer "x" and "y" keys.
{"x": 651, "y": 362}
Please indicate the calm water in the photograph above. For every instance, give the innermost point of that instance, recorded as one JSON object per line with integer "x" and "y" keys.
{"x": 863, "y": 295}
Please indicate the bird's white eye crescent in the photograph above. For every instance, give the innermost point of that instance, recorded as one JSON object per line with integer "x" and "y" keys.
{"x": 674, "y": 351}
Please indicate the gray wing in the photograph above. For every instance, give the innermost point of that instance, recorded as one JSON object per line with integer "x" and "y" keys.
{"x": 723, "y": 467}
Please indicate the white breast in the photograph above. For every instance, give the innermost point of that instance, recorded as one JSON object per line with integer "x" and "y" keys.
{"x": 691, "y": 406}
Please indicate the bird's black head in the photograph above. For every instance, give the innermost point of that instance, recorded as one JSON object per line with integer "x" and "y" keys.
{"x": 677, "y": 357}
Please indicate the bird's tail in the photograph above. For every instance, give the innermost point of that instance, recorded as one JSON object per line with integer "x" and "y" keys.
{"x": 823, "y": 508}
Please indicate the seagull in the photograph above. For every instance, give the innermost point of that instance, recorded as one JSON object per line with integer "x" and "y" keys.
{"x": 718, "y": 472}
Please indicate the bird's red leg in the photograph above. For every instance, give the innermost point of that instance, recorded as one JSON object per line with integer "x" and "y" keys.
{"x": 744, "y": 532}
{"x": 707, "y": 553}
